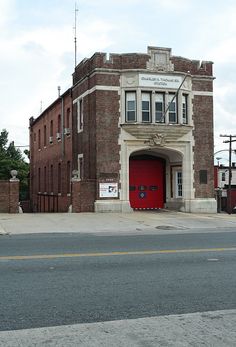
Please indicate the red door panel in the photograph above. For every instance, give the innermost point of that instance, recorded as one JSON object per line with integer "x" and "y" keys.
{"x": 146, "y": 183}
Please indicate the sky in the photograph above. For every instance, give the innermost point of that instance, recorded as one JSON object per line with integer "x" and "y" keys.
{"x": 37, "y": 49}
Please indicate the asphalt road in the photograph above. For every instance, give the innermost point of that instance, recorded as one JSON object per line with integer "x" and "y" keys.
{"x": 59, "y": 279}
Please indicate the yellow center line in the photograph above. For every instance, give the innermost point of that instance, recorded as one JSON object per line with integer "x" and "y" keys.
{"x": 108, "y": 254}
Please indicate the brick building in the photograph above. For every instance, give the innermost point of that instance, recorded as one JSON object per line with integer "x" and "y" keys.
{"x": 51, "y": 157}
{"x": 144, "y": 125}
{"x": 142, "y": 134}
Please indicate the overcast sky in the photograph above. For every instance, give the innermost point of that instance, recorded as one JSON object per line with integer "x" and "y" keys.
{"x": 37, "y": 48}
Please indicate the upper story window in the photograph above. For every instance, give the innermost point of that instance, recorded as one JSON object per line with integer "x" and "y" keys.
{"x": 59, "y": 123}
{"x": 80, "y": 114}
{"x": 59, "y": 127}
{"x": 51, "y": 128}
{"x": 185, "y": 108}
{"x": 68, "y": 118}
{"x": 39, "y": 139}
{"x": 159, "y": 107}
{"x": 146, "y": 107}
{"x": 172, "y": 108}
{"x": 131, "y": 107}
{"x": 44, "y": 135}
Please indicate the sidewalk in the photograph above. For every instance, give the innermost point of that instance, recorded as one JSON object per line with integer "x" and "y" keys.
{"x": 209, "y": 329}
{"x": 158, "y": 222}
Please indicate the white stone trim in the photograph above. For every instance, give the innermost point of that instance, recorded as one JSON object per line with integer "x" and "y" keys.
{"x": 89, "y": 91}
{"x": 200, "y": 206}
{"x": 202, "y": 93}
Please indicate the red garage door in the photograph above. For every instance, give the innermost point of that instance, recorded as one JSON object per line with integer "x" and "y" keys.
{"x": 146, "y": 183}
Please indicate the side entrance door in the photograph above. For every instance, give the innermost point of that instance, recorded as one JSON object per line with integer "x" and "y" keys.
{"x": 146, "y": 183}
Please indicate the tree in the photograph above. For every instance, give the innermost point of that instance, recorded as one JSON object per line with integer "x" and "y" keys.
{"x": 11, "y": 158}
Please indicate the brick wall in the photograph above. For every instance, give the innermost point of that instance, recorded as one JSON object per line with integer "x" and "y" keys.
{"x": 9, "y": 196}
{"x": 83, "y": 193}
{"x": 204, "y": 144}
{"x": 51, "y": 162}
{"x": 116, "y": 61}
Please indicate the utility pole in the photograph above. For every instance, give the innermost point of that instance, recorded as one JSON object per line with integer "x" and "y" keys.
{"x": 229, "y": 207}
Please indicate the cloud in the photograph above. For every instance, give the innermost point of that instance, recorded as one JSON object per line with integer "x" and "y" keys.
{"x": 6, "y": 12}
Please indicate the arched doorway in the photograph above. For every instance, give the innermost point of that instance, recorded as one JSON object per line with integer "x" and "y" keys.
{"x": 146, "y": 182}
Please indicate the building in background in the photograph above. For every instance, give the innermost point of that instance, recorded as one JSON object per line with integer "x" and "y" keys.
{"x": 51, "y": 157}
{"x": 141, "y": 137}
{"x": 226, "y": 197}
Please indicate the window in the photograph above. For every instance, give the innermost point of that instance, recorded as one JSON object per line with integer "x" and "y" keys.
{"x": 223, "y": 176}
{"x": 51, "y": 178}
{"x": 45, "y": 178}
{"x": 179, "y": 187}
{"x": 185, "y": 108}
{"x": 51, "y": 128}
{"x": 132, "y": 188}
{"x": 59, "y": 123}
{"x": 203, "y": 176}
{"x": 146, "y": 107}
{"x": 44, "y": 136}
{"x": 153, "y": 188}
{"x": 142, "y": 188}
{"x": 156, "y": 107}
{"x": 39, "y": 179}
{"x": 68, "y": 176}
{"x": 80, "y": 114}
{"x": 159, "y": 108}
{"x": 39, "y": 139}
{"x": 130, "y": 106}
{"x": 68, "y": 118}
{"x": 172, "y": 108}
{"x": 59, "y": 179}
{"x": 81, "y": 168}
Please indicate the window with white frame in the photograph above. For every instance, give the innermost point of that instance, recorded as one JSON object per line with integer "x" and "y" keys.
{"x": 172, "y": 108}
{"x": 179, "y": 187}
{"x": 80, "y": 116}
{"x": 146, "y": 107}
{"x": 159, "y": 107}
{"x": 185, "y": 108}
{"x": 130, "y": 107}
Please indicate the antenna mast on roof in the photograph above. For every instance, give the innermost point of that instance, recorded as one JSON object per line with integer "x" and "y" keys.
{"x": 75, "y": 32}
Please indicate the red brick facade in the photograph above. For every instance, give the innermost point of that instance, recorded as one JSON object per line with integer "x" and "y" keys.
{"x": 51, "y": 160}
{"x": 102, "y": 141}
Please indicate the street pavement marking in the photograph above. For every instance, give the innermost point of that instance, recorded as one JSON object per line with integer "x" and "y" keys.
{"x": 108, "y": 254}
